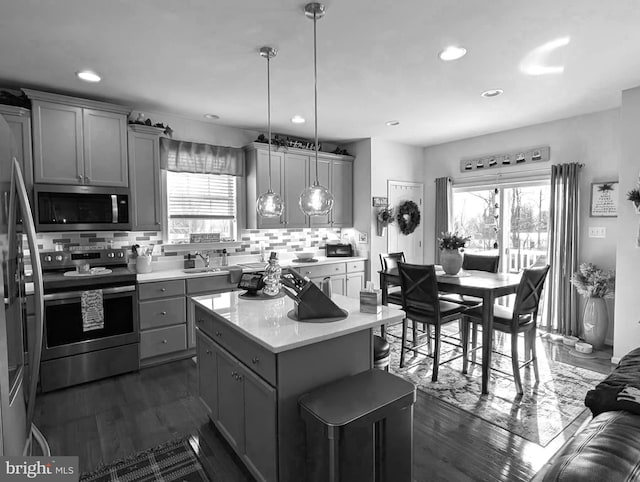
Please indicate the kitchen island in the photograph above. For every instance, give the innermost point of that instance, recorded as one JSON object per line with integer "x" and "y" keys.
{"x": 254, "y": 362}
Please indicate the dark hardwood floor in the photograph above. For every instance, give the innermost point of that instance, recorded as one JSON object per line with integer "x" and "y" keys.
{"x": 110, "y": 419}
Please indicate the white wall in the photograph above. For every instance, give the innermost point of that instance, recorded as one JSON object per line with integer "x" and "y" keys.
{"x": 592, "y": 139}
{"x": 627, "y": 302}
{"x": 395, "y": 162}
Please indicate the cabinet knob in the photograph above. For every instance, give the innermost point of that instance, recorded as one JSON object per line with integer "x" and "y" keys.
{"x": 163, "y": 289}
{"x": 80, "y": 178}
{"x": 208, "y": 352}
{"x": 238, "y": 377}
{"x": 218, "y": 333}
{"x": 255, "y": 360}
{"x": 163, "y": 313}
{"x": 164, "y": 342}
{"x": 87, "y": 179}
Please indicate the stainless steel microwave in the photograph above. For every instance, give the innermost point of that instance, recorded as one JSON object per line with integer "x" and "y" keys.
{"x": 81, "y": 208}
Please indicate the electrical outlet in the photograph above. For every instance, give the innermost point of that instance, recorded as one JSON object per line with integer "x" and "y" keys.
{"x": 597, "y": 232}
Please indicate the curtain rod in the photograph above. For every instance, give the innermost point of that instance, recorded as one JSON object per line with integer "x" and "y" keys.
{"x": 500, "y": 174}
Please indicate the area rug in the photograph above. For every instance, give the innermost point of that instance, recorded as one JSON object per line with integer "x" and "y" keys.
{"x": 542, "y": 413}
{"x": 172, "y": 461}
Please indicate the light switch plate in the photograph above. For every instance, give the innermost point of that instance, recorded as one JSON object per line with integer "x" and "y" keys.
{"x": 597, "y": 232}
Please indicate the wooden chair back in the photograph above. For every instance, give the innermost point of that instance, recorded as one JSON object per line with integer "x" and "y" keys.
{"x": 529, "y": 292}
{"x": 419, "y": 289}
{"x": 390, "y": 261}
{"x": 481, "y": 262}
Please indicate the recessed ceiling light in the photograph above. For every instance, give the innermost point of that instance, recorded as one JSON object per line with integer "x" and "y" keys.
{"x": 452, "y": 52}
{"x": 211, "y": 116}
{"x": 393, "y": 123}
{"x": 88, "y": 76}
{"x": 492, "y": 93}
{"x": 298, "y": 119}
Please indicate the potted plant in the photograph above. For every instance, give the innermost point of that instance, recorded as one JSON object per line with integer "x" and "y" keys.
{"x": 450, "y": 256}
{"x": 634, "y": 197}
{"x": 384, "y": 218}
{"x": 595, "y": 285}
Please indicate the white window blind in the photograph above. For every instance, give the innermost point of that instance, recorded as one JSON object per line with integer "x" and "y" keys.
{"x": 208, "y": 196}
{"x": 200, "y": 203}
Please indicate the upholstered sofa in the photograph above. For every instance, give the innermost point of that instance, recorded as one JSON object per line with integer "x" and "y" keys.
{"x": 607, "y": 446}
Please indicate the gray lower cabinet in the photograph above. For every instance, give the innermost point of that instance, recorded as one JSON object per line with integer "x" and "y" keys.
{"x": 346, "y": 278}
{"x": 241, "y": 404}
{"x": 163, "y": 326}
{"x": 252, "y": 394}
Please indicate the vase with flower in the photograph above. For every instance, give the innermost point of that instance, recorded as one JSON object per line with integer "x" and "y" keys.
{"x": 634, "y": 197}
{"x": 450, "y": 255}
{"x": 384, "y": 218}
{"x": 595, "y": 285}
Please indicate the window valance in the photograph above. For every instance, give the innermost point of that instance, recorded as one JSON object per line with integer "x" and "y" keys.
{"x": 181, "y": 156}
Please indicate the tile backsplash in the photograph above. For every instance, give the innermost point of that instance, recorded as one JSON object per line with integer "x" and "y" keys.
{"x": 289, "y": 240}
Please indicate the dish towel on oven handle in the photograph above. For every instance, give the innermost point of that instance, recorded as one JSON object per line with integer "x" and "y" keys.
{"x": 92, "y": 310}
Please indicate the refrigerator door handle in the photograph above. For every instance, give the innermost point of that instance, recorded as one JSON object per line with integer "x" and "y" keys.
{"x": 19, "y": 195}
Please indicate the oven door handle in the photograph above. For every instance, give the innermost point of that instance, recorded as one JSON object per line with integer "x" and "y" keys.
{"x": 77, "y": 294}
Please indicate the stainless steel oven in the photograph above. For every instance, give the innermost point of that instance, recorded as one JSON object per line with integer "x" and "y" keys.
{"x": 75, "y": 351}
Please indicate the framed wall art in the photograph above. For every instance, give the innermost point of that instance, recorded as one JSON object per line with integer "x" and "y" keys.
{"x": 604, "y": 199}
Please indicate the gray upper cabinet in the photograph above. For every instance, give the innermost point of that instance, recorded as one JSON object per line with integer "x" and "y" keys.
{"x": 19, "y": 120}
{"x": 292, "y": 170}
{"x": 337, "y": 176}
{"x": 258, "y": 183}
{"x": 144, "y": 177}
{"x": 78, "y": 141}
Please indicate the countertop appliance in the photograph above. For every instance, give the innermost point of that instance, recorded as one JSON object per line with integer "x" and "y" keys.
{"x": 337, "y": 250}
{"x": 19, "y": 354}
{"x": 81, "y": 208}
{"x": 91, "y": 327}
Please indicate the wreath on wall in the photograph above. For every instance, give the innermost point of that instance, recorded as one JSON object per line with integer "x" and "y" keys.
{"x": 408, "y": 217}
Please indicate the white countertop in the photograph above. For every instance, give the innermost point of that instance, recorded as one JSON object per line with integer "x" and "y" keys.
{"x": 266, "y": 321}
{"x": 178, "y": 273}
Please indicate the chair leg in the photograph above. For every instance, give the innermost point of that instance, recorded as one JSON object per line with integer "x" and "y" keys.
{"x": 429, "y": 336}
{"x": 515, "y": 363}
{"x": 403, "y": 342}
{"x": 414, "y": 326}
{"x": 436, "y": 353}
{"x": 474, "y": 342}
{"x": 534, "y": 358}
{"x": 464, "y": 323}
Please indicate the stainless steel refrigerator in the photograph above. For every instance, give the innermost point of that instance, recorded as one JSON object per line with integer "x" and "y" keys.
{"x": 20, "y": 337}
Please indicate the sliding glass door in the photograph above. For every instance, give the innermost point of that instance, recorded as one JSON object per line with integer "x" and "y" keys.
{"x": 510, "y": 219}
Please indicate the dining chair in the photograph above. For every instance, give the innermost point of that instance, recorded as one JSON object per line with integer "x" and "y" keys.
{"x": 389, "y": 261}
{"x": 475, "y": 262}
{"x": 513, "y": 321}
{"x": 421, "y": 304}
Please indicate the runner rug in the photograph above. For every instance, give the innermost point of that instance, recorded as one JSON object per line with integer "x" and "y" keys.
{"x": 172, "y": 461}
{"x": 542, "y": 413}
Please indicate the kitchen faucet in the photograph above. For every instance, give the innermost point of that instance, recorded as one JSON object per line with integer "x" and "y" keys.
{"x": 205, "y": 258}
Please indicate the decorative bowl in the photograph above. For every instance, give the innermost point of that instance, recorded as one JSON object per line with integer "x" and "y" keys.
{"x": 583, "y": 347}
{"x": 305, "y": 255}
{"x": 570, "y": 340}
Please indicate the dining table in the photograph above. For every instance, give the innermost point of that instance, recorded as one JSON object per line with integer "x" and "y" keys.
{"x": 481, "y": 284}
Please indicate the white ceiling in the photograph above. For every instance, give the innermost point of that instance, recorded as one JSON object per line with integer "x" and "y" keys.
{"x": 377, "y": 61}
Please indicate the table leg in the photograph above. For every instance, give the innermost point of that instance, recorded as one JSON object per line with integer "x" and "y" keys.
{"x": 487, "y": 337}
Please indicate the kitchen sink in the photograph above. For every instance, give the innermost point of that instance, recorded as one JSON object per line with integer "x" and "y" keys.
{"x": 210, "y": 269}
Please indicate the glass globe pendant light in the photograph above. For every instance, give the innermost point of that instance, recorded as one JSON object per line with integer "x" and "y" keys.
{"x": 315, "y": 200}
{"x": 269, "y": 204}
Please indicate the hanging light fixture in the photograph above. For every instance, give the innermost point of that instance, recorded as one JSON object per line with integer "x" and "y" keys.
{"x": 269, "y": 204}
{"x": 315, "y": 200}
